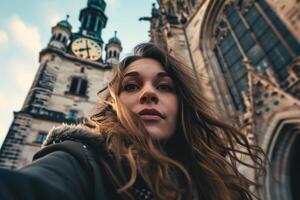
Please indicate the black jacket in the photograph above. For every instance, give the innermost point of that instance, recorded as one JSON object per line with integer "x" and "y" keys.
{"x": 67, "y": 167}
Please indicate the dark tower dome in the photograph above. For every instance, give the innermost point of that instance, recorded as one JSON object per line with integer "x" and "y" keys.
{"x": 97, "y": 3}
{"x": 65, "y": 23}
{"x": 115, "y": 40}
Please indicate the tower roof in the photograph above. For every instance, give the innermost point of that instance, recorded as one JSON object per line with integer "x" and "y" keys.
{"x": 65, "y": 24}
{"x": 114, "y": 40}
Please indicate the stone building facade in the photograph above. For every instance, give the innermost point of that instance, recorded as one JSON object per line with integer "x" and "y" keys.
{"x": 246, "y": 55}
{"x": 72, "y": 69}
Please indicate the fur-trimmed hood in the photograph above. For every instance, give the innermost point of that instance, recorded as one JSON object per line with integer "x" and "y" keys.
{"x": 78, "y": 132}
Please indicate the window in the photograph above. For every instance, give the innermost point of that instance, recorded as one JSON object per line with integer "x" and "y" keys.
{"x": 41, "y": 137}
{"x": 227, "y": 43}
{"x": 64, "y": 40}
{"x": 232, "y": 55}
{"x": 259, "y": 27}
{"x": 268, "y": 40}
{"x": 240, "y": 29}
{"x": 72, "y": 115}
{"x": 115, "y": 54}
{"x": 255, "y": 39}
{"x": 252, "y": 15}
{"x": 247, "y": 41}
{"x": 82, "y": 70}
{"x": 58, "y": 37}
{"x": 78, "y": 86}
{"x": 234, "y": 18}
{"x": 255, "y": 54}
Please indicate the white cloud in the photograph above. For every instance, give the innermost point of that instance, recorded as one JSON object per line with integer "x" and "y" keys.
{"x": 23, "y": 71}
{"x": 3, "y": 37}
{"x": 25, "y": 35}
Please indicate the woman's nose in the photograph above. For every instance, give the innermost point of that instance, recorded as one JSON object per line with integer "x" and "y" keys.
{"x": 149, "y": 96}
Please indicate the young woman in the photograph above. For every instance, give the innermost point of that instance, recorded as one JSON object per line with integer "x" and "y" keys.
{"x": 154, "y": 137}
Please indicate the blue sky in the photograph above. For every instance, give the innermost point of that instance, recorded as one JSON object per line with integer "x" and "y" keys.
{"x": 25, "y": 28}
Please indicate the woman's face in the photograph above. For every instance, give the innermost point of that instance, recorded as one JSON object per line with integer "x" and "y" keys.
{"x": 149, "y": 91}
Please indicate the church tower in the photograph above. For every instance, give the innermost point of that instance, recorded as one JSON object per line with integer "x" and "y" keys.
{"x": 71, "y": 72}
{"x": 61, "y": 34}
{"x": 113, "y": 49}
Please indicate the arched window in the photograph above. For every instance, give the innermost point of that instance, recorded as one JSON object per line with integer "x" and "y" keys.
{"x": 64, "y": 40}
{"x": 256, "y": 34}
{"x": 109, "y": 54}
{"x": 59, "y": 37}
{"x": 115, "y": 54}
{"x": 78, "y": 86}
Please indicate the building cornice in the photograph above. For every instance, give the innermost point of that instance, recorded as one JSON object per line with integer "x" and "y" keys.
{"x": 103, "y": 66}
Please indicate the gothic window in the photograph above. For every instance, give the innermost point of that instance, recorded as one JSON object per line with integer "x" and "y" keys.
{"x": 41, "y": 137}
{"x": 78, "y": 86}
{"x": 254, "y": 33}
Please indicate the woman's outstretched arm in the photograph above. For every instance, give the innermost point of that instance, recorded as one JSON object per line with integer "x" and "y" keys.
{"x": 56, "y": 175}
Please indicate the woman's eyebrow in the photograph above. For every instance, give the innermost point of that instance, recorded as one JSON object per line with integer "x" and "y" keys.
{"x": 134, "y": 74}
{"x": 162, "y": 74}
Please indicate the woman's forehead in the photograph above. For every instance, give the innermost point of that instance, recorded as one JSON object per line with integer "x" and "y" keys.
{"x": 144, "y": 66}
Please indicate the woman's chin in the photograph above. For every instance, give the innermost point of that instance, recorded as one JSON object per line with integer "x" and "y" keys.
{"x": 157, "y": 134}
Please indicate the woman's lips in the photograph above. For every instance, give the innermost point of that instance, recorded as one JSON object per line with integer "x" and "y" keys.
{"x": 150, "y": 117}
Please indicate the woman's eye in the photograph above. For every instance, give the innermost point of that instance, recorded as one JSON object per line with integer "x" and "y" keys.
{"x": 165, "y": 88}
{"x": 130, "y": 87}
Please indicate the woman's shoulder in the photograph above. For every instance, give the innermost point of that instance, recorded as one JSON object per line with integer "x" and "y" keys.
{"x": 85, "y": 147}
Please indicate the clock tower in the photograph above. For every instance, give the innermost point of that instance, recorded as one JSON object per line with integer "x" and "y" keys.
{"x": 70, "y": 74}
{"x": 87, "y": 42}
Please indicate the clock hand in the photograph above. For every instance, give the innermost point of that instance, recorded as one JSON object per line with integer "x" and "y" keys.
{"x": 83, "y": 49}
{"x": 87, "y": 49}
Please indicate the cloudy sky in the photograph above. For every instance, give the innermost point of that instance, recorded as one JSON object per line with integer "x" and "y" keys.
{"x": 25, "y": 29}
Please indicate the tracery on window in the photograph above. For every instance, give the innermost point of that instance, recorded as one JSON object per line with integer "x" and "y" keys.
{"x": 250, "y": 30}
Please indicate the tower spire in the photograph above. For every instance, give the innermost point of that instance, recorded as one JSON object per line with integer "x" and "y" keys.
{"x": 93, "y": 20}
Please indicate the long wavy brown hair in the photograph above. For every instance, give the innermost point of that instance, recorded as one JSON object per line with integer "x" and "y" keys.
{"x": 201, "y": 158}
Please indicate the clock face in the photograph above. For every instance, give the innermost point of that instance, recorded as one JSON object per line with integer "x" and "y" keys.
{"x": 86, "y": 49}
